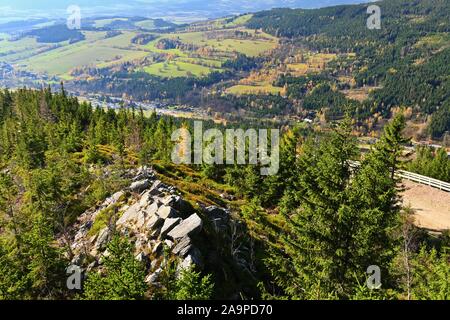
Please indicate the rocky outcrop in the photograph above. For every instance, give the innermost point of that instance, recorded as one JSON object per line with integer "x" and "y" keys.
{"x": 153, "y": 216}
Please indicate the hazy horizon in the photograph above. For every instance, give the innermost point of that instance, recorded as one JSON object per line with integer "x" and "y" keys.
{"x": 170, "y": 9}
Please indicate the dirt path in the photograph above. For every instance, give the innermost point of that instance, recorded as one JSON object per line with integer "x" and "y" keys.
{"x": 432, "y": 206}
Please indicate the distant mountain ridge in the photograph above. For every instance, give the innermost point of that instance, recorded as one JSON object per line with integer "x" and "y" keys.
{"x": 195, "y": 9}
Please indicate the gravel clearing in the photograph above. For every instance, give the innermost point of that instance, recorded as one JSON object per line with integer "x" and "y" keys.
{"x": 432, "y": 206}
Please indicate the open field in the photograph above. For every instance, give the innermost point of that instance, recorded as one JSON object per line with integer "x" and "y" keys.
{"x": 359, "y": 94}
{"x": 298, "y": 69}
{"x": 101, "y": 23}
{"x": 249, "y": 47}
{"x": 239, "y": 21}
{"x": 177, "y": 69}
{"x": 253, "y": 89}
{"x": 9, "y": 49}
{"x": 95, "y": 51}
{"x": 61, "y": 62}
{"x": 151, "y": 46}
{"x": 100, "y": 51}
{"x": 218, "y": 43}
{"x": 434, "y": 41}
{"x": 212, "y": 63}
{"x": 146, "y": 24}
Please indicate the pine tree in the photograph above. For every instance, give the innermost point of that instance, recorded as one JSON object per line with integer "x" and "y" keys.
{"x": 13, "y": 280}
{"x": 346, "y": 220}
{"x": 375, "y": 201}
{"x": 190, "y": 285}
{"x": 431, "y": 276}
{"x": 276, "y": 186}
{"x": 123, "y": 277}
{"x": 46, "y": 264}
{"x": 315, "y": 262}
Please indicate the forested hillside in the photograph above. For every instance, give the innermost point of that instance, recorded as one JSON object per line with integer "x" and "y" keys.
{"x": 309, "y": 232}
{"x": 409, "y": 57}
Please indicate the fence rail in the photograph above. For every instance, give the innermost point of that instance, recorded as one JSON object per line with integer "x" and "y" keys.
{"x": 438, "y": 184}
{"x": 435, "y": 183}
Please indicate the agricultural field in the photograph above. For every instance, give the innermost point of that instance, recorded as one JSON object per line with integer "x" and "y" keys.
{"x": 11, "y": 51}
{"x": 214, "y": 48}
{"x": 101, "y": 50}
{"x": 59, "y": 59}
{"x": 262, "y": 43}
{"x": 178, "y": 69}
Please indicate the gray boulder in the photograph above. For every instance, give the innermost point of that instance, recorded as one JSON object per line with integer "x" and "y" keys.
{"x": 171, "y": 200}
{"x": 154, "y": 222}
{"x": 167, "y": 212}
{"x": 114, "y": 198}
{"x": 140, "y": 219}
{"x": 192, "y": 259}
{"x": 130, "y": 215}
{"x": 178, "y": 204}
{"x": 169, "y": 244}
{"x": 152, "y": 209}
{"x": 92, "y": 265}
{"x": 141, "y": 257}
{"x": 153, "y": 264}
{"x": 169, "y": 224}
{"x": 155, "y": 233}
{"x": 140, "y": 186}
{"x": 188, "y": 227}
{"x": 157, "y": 248}
{"x": 146, "y": 199}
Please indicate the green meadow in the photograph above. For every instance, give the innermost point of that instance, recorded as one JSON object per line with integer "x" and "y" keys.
{"x": 178, "y": 69}
{"x": 98, "y": 50}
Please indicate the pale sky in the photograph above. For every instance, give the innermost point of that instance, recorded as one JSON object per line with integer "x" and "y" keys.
{"x": 22, "y": 9}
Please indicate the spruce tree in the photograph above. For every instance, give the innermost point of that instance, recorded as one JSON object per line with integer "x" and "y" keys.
{"x": 123, "y": 277}
{"x": 315, "y": 260}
